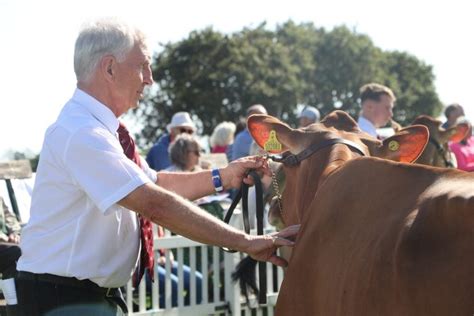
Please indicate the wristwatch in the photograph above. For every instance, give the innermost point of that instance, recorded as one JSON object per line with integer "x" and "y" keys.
{"x": 216, "y": 180}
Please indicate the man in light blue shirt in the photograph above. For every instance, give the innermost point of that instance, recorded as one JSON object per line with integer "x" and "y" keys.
{"x": 377, "y": 103}
{"x": 243, "y": 140}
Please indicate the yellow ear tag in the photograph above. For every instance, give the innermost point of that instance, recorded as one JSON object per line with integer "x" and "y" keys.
{"x": 393, "y": 145}
{"x": 272, "y": 144}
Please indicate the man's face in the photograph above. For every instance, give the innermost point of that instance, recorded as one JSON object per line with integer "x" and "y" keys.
{"x": 458, "y": 112}
{"x": 132, "y": 75}
{"x": 175, "y": 131}
{"x": 382, "y": 111}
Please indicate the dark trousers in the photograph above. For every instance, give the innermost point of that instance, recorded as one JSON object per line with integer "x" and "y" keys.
{"x": 37, "y": 297}
{"x": 9, "y": 254}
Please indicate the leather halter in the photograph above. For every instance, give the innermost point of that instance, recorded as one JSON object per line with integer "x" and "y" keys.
{"x": 292, "y": 160}
{"x": 243, "y": 194}
{"x": 442, "y": 152}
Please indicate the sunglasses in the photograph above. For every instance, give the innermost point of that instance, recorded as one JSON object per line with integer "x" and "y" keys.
{"x": 185, "y": 130}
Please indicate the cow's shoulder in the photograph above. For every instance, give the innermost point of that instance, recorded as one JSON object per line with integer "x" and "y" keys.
{"x": 441, "y": 226}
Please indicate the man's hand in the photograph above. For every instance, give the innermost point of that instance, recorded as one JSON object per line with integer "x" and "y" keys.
{"x": 14, "y": 238}
{"x": 263, "y": 248}
{"x": 237, "y": 171}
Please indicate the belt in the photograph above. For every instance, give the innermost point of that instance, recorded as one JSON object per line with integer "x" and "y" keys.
{"x": 112, "y": 294}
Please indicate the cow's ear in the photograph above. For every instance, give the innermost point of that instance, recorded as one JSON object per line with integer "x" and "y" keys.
{"x": 340, "y": 120}
{"x": 269, "y": 133}
{"x": 405, "y": 146}
{"x": 458, "y": 132}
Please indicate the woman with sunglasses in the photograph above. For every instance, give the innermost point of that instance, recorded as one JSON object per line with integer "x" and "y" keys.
{"x": 184, "y": 154}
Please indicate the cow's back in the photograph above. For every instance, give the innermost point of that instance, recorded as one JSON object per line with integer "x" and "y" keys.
{"x": 357, "y": 252}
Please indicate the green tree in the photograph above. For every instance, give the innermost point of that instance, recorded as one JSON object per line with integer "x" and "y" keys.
{"x": 301, "y": 40}
{"x": 216, "y": 77}
{"x": 190, "y": 75}
{"x": 413, "y": 84}
{"x": 344, "y": 62}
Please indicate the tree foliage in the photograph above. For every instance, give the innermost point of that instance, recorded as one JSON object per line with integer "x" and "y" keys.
{"x": 216, "y": 77}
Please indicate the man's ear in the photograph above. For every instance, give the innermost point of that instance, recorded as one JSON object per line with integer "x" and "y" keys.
{"x": 405, "y": 146}
{"x": 107, "y": 66}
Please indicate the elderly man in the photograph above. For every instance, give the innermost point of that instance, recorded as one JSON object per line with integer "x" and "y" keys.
{"x": 377, "y": 102}
{"x": 243, "y": 140}
{"x": 158, "y": 156}
{"x": 94, "y": 197}
{"x": 308, "y": 116}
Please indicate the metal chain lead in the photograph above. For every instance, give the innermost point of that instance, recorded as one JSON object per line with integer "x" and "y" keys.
{"x": 276, "y": 187}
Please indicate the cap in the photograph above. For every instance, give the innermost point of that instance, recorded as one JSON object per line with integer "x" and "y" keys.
{"x": 310, "y": 112}
{"x": 181, "y": 119}
{"x": 256, "y": 109}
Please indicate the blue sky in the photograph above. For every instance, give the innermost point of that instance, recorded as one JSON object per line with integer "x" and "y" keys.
{"x": 36, "y": 76}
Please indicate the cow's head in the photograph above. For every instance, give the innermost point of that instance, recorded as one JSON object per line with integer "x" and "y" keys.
{"x": 303, "y": 180}
{"x": 436, "y": 152}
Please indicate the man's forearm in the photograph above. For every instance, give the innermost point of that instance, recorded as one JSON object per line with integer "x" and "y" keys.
{"x": 186, "y": 219}
{"x": 191, "y": 185}
{"x": 183, "y": 217}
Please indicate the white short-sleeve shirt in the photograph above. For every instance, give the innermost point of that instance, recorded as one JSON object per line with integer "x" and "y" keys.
{"x": 76, "y": 229}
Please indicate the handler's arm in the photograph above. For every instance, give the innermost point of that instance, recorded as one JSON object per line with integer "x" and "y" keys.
{"x": 191, "y": 185}
{"x": 182, "y": 217}
{"x": 194, "y": 185}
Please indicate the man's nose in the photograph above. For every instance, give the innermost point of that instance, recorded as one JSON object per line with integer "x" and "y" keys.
{"x": 148, "y": 77}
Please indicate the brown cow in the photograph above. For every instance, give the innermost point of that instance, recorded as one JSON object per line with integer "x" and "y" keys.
{"x": 378, "y": 237}
{"x": 437, "y": 152}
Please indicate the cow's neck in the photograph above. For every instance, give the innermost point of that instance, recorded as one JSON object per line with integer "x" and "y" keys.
{"x": 313, "y": 177}
{"x": 338, "y": 156}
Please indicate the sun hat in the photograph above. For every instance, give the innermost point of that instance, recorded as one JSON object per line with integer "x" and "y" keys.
{"x": 310, "y": 112}
{"x": 181, "y": 119}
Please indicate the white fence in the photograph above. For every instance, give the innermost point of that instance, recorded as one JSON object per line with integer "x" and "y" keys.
{"x": 220, "y": 295}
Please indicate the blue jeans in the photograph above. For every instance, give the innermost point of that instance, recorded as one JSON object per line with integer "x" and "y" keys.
{"x": 174, "y": 284}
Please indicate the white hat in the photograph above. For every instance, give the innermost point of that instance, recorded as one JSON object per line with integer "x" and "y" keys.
{"x": 256, "y": 109}
{"x": 310, "y": 112}
{"x": 181, "y": 119}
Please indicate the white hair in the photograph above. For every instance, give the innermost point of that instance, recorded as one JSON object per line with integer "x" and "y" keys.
{"x": 223, "y": 134}
{"x": 106, "y": 36}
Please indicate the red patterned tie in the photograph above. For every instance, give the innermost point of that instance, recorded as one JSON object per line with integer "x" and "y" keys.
{"x": 146, "y": 254}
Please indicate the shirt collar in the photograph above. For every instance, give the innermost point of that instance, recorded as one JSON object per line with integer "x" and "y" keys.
{"x": 99, "y": 110}
{"x": 367, "y": 126}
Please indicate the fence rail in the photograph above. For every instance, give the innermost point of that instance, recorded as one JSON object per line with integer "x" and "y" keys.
{"x": 219, "y": 295}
